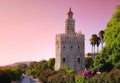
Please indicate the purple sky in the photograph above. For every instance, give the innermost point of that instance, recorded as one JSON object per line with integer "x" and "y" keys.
{"x": 28, "y": 27}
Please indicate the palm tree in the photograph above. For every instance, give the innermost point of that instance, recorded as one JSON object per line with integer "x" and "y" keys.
{"x": 98, "y": 43}
{"x": 101, "y": 36}
{"x": 93, "y": 41}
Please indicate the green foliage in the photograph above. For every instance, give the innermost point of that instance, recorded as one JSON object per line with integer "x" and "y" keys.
{"x": 102, "y": 63}
{"x": 93, "y": 42}
{"x": 15, "y": 73}
{"x": 65, "y": 75}
{"x": 38, "y": 65}
{"x": 112, "y": 37}
{"x": 89, "y": 54}
{"x": 51, "y": 63}
{"x": 45, "y": 74}
{"x": 28, "y": 72}
{"x": 4, "y": 77}
{"x": 35, "y": 68}
{"x": 117, "y": 65}
{"x": 66, "y": 70}
{"x": 110, "y": 54}
{"x": 88, "y": 62}
{"x": 44, "y": 71}
{"x": 10, "y": 74}
{"x": 60, "y": 77}
{"x": 80, "y": 79}
{"x": 33, "y": 72}
{"x": 111, "y": 77}
{"x": 101, "y": 36}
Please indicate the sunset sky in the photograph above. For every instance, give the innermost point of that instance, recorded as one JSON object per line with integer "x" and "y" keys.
{"x": 28, "y": 27}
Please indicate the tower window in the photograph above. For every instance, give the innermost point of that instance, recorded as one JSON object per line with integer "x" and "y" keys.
{"x": 78, "y": 60}
{"x": 71, "y": 46}
{"x": 63, "y": 60}
{"x": 78, "y": 47}
{"x": 63, "y": 46}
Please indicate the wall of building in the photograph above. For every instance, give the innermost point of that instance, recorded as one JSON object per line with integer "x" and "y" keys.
{"x": 70, "y": 52}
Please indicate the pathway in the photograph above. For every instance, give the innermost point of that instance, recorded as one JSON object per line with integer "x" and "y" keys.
{"x": 27, "y": 79}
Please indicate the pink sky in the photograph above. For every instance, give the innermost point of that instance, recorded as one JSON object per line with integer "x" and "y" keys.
{"x": 28, "y": 27}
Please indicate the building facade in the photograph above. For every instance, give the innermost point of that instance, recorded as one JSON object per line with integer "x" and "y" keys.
{"x": 70, "y": 47}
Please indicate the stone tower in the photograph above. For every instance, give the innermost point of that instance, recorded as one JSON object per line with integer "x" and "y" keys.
{"x": 70, "y": 47}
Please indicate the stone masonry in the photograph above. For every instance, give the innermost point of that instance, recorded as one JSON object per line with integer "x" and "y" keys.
{"x": 70, "y": 47}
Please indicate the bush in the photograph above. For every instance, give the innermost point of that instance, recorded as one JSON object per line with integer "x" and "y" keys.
{"x": 4, "y": 77}
{"x": 111, "y": 77}
{"x": 80, "y": 79}
{"x": 50, "y": 76}
{"x": 88, "y": 62}
{"x": 117, "y": 65}
{"x": 51, "y": 63}
{"x": 85, "y": 73}
{"x": 66, "y": 70}
{"x": 43, "y": 77}
{"x": 34, "y": 73}
{"x": 62, "y": 78}
{"x": 109, "y": 57}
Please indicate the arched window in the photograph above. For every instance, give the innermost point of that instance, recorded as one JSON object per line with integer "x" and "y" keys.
{"x": 63, "y": 46}
{"x": 78, "y": 47}
{"x": 63, "y": 60}
{"x": 78, "y": 60}
{"x": 71, "y": 46}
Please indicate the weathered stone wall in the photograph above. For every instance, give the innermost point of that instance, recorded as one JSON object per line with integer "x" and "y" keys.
{"x": 70, "y": 51}
{"x": 58, "y": 52}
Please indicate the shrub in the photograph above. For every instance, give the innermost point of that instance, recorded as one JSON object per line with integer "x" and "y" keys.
{"x": 111, "y": 77}
{"x": 88, "y": 62}
{"x": 43, "y": 77}
{"x": 117, "y": 65}
{"x": 4, "y": 77}
{"x": 80, "y": 79}
{"x": 51, "y": 63}
{"x": 85, "y": 73}
{"x": 62, "y": 78}
{"x": 34, "y": 73}
{"x": 66, "y": 70}
{"x": 50, "y": 76}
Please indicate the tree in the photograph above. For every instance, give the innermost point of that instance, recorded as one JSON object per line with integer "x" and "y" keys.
{"x": 4, "y": 77}
{"x": 89, "y": 54}
{"x": 93, "y": 41}
{"x": 101, "y": 36}
{"x": 98, "y": 43}
{"x": 110, "y": 54}
{"x": 51, "y": 63}
{"x": 88, "y": 62}
{"x": 112, "y": 36}
{"x": 9, "y": 74}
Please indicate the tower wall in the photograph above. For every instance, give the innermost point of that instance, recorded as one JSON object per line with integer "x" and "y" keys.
{"x": 70, "y": 26}
{"x": 70, "y": 51}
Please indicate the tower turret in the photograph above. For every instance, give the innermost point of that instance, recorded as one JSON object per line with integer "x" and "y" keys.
{"x": 70, "y": 14}
{"x": 70, "y": 23}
